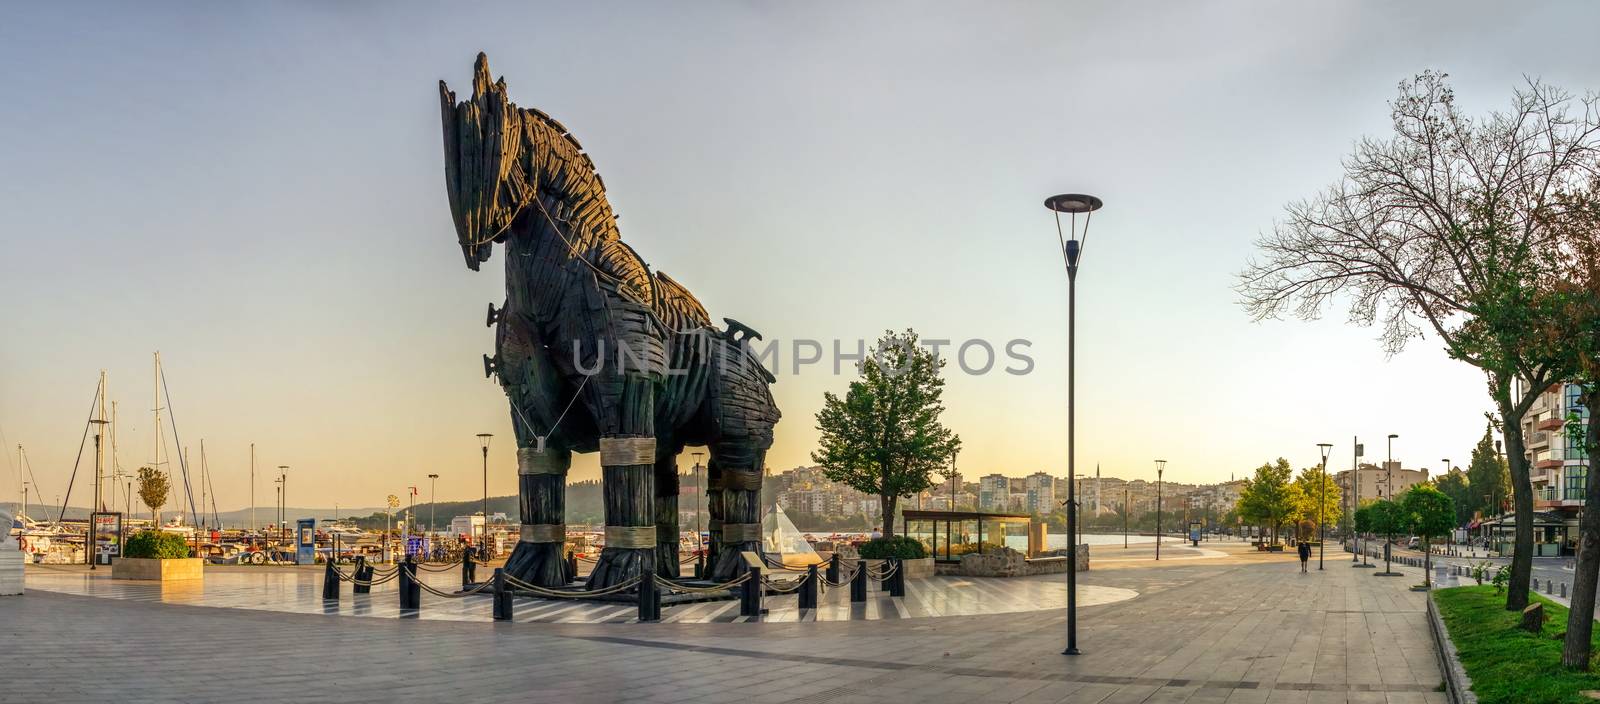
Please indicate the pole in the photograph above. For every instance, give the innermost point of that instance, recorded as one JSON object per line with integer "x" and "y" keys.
{"x": 433, "y": 502}
{"x": 252, "y": 488}
{"x": 1322, "y": 506}
{"x": 1159, "y": 471}
{"x": 1355, "y": 498}
{"x": 1072, "y": 498}
{"x": 1125, "y": 510}
{"x": 485, "y": 536}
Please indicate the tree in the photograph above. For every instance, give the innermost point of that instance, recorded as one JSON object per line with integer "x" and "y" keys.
{"x": 1429, "y": 513}
{"x": 153, "y": 490}
{"x": 1318, "y": 502}
{"x": 1444, "y": 227}
{"x": 1388, "y": 518}
{"x": 1454, "y": 484}
{"x": 1269, "y": 498}
{"x": 1575, "y": 334}
{"x": 884, "y": 437}
{"x": 1487, "y": 475}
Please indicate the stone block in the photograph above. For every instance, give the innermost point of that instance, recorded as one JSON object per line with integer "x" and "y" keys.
{"x": 188, "y": 568}
{"x": 11, "y": 562}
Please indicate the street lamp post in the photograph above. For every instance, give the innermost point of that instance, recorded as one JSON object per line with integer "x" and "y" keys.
{"x": 433, "y": 503}
{"x": 1355, "y": 498}
{"x": 1073, "y": 204}
{"x": 1449, "y": 540}
{"x": 483, "y": 442}
{"x": 699, "y": 547}
{"x": 1388, "y": 483}
{"x": 1125, "y": 516}
{"x": 1322, "y": 503}
{"x": 1161, "y": 466}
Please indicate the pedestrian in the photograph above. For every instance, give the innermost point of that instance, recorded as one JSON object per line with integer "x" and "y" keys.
{"x": 1305, "y": 555}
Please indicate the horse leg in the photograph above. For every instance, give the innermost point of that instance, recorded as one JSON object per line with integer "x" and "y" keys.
{"x": 741, "y": 461}
{"x": 541, "y": 483}
{"x": 625, "y": 416}
{"x": 667, "y": 510}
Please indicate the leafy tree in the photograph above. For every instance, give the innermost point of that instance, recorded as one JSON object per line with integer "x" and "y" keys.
{"x": 1318, "y": 501}
{"x": 153, "y": 490}
{"x": 1487, "y": 475}
{"x": 884, "y": 437}
{"x": 1364, "y": 518}
{"x": 1444, "y": 227}
{"x": 1575, "y": 336}
{"x": 1387, "y": 518}
{"x": 1429, "y": 513}
{"x": 1454, "y": 484}
{"x": 1269, "y": 498}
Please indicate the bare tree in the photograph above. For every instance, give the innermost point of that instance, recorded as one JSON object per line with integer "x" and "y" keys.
{"x": 1440, "y": 227}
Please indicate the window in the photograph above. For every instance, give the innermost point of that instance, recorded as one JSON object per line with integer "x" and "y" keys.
{"x": 1576, "y": 478}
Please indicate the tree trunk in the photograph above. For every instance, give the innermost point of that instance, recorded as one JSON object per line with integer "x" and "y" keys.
{"x": 1522, "y": 504}
{"x": 1427, "y": 562}
{"x": 1577, "y": 649}
{"x": 887, "y": 504}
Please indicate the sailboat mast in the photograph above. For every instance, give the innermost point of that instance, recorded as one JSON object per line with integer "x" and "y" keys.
{"x": 202, "y": 481}
{"x": 252, "y": 487}
{"x": 155, "y": 431}
{"x": 100, "y": 444}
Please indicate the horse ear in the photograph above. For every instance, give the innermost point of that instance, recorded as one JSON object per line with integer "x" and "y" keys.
{"x": 480, "y": 77}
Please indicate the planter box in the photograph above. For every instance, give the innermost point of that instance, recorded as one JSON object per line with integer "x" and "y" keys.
{"x": 915, "y": 569}
{"x": 161, "y": 570}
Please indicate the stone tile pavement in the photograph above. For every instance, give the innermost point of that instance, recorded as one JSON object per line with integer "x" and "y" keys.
{"x": 1253, "y": 630}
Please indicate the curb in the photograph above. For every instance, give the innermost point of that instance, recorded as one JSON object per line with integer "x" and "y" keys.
{"x": 1456, "y": 683}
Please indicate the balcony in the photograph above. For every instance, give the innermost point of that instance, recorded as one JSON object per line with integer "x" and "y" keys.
{"x": 1538, "y": 440}
{"x": 1547, "y": 464}
{"x": 1550, "y": 424}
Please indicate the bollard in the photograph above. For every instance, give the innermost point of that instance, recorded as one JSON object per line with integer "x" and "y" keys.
{"x": 410, "y": 589}
{"x": 808, "y": 589}
{"x": 469, "y": 570}
{"x": 833, "y": 568}
{"x": 649, "y": 598}
{"x": 502, "y": 596}
{"x": 700, "y": 566}
{"x": 897, "y": 581}
{"x": 1563, "y": 590}
{"x": 363, "y": 576}
{"x": 750, "y": 596}
{"x": 572, "y": 564}
{"x": 330, "y": 583}
{"x": 858, "y": 583}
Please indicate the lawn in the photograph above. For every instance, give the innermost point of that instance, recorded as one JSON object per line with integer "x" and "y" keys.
{"x": 1507, "y": 664}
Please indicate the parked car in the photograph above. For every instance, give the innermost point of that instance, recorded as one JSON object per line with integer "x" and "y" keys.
{"x": 1414, "y": 543}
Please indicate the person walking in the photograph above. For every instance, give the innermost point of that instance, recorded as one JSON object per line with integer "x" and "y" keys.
{"x": 1305, "y": 555}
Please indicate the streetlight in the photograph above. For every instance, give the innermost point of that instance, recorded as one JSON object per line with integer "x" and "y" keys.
{"x": 1388, "y": 483}
{"x": 1322, "y": 503}
{"x": 1161, "y": 466}
{"x": 483, "y": 442}
{"x": 699, "y": 547}
{"x": 1072, "y": 204}
{"x": 433, "y": 502}
{"x": 1355, "y": 499}
{"x": 1124, "y": 516}
{"x": 1449, "y": 541}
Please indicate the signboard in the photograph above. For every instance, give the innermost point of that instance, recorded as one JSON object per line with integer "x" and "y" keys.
{"x": 107, "y": 531}
{"x": 1194, "y": 532}
{"x": 305, "y": 541}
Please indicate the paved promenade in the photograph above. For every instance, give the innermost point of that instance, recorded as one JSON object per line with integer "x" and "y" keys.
{"x": 1247, "y": 628}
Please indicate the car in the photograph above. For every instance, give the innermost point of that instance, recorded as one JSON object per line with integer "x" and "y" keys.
{"x": 1414, "y": 543}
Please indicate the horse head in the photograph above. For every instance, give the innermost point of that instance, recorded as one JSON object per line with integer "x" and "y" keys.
{"x": 482, "y": 151}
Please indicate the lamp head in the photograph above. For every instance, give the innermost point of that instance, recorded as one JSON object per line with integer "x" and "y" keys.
{"x": 483, "y": 440}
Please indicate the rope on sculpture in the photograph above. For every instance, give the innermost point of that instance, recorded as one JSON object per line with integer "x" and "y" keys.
{"x": 713, "y": 589}
{"x": 560, "y": 594}
{"x": 388, "y": 577}
{"x": 844, "y": 581}
{"x": 455, "y": 595}
{"x": 688, "y": 560}
{"x": 886, "y": 571}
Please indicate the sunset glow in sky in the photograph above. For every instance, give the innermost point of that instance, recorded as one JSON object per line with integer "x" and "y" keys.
{"x": 256, "y": 190}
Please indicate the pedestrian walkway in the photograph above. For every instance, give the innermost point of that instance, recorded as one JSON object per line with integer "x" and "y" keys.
{"x": 1254, "y": 630}
{"x": 300, "y": 591}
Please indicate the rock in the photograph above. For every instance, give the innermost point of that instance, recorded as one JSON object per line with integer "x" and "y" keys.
{"x": 1533, "y": 617}
{"x": 1004, "y": 562}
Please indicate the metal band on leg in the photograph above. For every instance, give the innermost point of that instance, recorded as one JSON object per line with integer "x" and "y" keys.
{"x": 741, "y": 532}
{"x": 627, "y": 451}
{"x": 532, "y": 461}
{"x": 544, "y": 533}
{"x": 631, "y": 537}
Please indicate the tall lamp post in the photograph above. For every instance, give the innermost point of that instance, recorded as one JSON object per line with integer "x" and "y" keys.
{"x": 1161, "y": 466}
{"x": 1322, "y": 503}
{"x": 1125, "y": 516}
{"x": 283, "y": 500}
{"x": 1355, "y": 498}
{"x": 1073, "y": 204}
{"x": 1449, "y": 541}
{"x": 699, "y": 547}
{"x": 433, "y": 502}
{"x": 1388, "y": 483}
{"x": 483, "y": 442}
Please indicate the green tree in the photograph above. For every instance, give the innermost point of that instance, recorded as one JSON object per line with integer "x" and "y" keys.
{"x": 153, "y": 490}
{"x": 1454, "y": 484}
{"x": 1318, "y": 497}
{"x": 1442, "y": 227}
{"x": 884, "y": 437}
{"x": 1429, "y": 513}
{"x": 1387, "y": 518}
{"x": 1488, "y": 476}
{"x": 1269, "y": 498}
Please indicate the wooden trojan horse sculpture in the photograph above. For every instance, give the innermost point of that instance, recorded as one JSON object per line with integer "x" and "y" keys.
{"x": 596, "y": 353}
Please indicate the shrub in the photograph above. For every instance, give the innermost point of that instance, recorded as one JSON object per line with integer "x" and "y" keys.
{"x": 156, "y": 544}
{"x": 1502, "y": 577}
{"x": 899, "y": 546}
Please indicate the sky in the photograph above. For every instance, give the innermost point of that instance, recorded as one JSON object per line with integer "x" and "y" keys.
{"x": 256, "y": 191}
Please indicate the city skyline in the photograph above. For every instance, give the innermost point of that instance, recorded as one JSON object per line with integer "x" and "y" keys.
{"x": 256, "y": 276}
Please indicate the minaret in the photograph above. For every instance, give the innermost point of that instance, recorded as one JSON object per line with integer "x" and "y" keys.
{"x": 1097, "y": 488}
